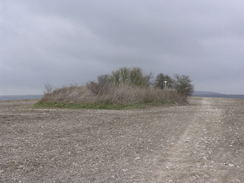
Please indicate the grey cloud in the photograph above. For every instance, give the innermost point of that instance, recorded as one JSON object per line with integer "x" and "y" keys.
{"x": 62, "y": 42}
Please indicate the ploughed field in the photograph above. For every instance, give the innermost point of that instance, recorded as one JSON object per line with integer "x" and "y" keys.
{"x": 200, "y": 142}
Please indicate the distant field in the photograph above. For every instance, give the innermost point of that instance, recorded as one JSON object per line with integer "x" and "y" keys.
{"x": 20, "y": 97}
{"x": 215, "y": 95}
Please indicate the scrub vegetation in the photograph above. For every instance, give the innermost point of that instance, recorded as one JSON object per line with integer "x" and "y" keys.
{"x": 122, "y": 89}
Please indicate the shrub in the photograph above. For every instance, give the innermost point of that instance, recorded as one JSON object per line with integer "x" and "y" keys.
{"x": 137, "y": 78}
{"x": 133, "y": 76}
{"x": 183, "y": 85}
{"x": 101, "y": 86}
{"x": 122, "y": 76}
{"x": 94, "y": 87}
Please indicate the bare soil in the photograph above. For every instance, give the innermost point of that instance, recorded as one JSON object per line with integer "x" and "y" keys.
{"x": 197, "y": 143}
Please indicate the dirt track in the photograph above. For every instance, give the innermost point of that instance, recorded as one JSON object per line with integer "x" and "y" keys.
{"x": 199, "y": 143}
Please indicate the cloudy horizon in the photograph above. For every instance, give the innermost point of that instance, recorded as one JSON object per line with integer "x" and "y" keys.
{"x": 63, "y": 42}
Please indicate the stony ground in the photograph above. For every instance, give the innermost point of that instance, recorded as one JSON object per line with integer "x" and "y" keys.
{"x": 198, "y": 143}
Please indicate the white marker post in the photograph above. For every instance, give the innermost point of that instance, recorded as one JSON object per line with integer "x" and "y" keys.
{"x": 165, "y": 84}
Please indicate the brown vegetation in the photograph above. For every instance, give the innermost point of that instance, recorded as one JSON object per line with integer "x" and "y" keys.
{"x": 123, "y": 94}
{"x": 123, "y": 87}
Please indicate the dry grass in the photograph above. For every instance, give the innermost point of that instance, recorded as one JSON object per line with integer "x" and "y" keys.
{"x": 117, "y": 95}
{"x": 72, "y": 94}
{"x": 127, "y": 94}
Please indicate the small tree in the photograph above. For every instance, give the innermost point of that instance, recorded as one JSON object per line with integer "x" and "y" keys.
{"x": 137, "y": 78}
{"x": 121, "y": 75}
{"x": 48, "y": 89}
{"x": 133, "y": 76}
{"x": 160, "y": 81}
{"x": 183, "y": 85}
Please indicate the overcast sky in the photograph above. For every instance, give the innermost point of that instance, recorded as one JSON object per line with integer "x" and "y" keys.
{"x": 63, "y": 42}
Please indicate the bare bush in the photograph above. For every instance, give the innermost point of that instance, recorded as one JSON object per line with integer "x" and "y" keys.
{"x": 48, "y": 88}
{"x": 102, "y": 85}
{"x": 94, "y": 87}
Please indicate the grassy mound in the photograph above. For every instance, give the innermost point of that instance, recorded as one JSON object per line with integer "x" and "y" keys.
{"x": 123, "y": 88}
{"x": 120, "y": 97}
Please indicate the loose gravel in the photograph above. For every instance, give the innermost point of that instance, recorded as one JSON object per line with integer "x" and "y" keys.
{"x": 197, "y": 143}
